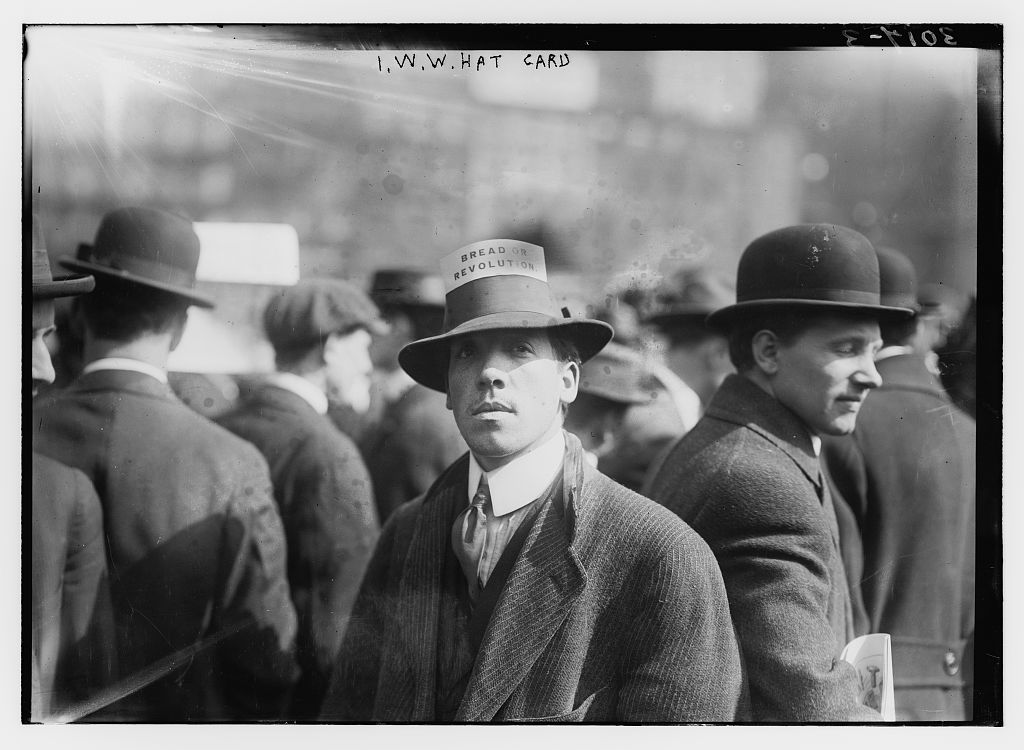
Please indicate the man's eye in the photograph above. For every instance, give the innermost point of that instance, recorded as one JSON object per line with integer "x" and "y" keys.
{"x": 464, "y": 351}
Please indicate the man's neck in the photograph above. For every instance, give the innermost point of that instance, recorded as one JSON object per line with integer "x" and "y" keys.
{"x": 759, "y": 379}
{"x": 153, "y": 349}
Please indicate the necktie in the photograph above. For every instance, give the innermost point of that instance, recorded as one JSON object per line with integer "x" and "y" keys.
{"x": 469, "y": 532}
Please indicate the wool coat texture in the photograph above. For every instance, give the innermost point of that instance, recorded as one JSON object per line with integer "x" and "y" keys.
{"x": 614, "y": 611}
{"x": 746, "y": 478}
{"x": 323, "y": 494}
{"x": 73, "y": 653}
{"x": 195, "y": 544}
{"x": 907, "y": 474}
{"x": 415, "y": 440}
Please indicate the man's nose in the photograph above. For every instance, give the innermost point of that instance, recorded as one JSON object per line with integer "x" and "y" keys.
{"x": 867, "y": 374}
{"x": 493, "y": 374}
{"x": 42, "y": 366}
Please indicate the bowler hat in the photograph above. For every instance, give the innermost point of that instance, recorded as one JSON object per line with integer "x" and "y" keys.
{"x": 44, "y": 285}
{"x": 897, "y": 279}
{"x": 495, "y": 285}
{"x": 689, "y": 295}
{"x": 614, "y": 373}
{"x": 406, "y": 287}
{"x": 808, "y": 266}
{"x": 305, "y": 314}
{"x": 145, "y": 246}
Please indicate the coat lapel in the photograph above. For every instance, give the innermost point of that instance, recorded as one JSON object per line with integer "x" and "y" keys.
{"x": 408, "y": 676}
{"x": 546, "y": 581}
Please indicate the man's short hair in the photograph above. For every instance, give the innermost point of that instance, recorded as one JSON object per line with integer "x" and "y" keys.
{"x": 122, "y": 311}
{"x": 426, "y": 320}
{"x": 899, "y": 332}
{"x": 787, "y": 324}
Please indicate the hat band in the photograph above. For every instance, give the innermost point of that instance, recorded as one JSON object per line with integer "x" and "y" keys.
{"x": 848, "y": 296}
{"x": 497, "y": 294}
{"x": 150, "y": 270}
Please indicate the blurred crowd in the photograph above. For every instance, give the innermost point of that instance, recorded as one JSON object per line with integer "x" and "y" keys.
{"x": 199, "y": 541}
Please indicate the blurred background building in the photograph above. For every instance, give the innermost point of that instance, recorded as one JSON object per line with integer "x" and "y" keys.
{"x": 623, "y": 165}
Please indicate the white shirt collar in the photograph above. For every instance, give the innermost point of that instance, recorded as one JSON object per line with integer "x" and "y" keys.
{"x": 816, "y": 444}
{"x": 124, "y": 363}
{"x": 522, "y": 480}
{"x": 302, "y": 388}
{"x": 892, "y": 351}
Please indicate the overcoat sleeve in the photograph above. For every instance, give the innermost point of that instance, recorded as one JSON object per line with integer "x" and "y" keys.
{"x": 682, "y": 661}
{"x": 261, "y": 656}
{"x": 773, "y": 551}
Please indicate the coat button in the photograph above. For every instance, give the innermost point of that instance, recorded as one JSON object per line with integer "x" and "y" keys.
{"x": 950, "y": 663}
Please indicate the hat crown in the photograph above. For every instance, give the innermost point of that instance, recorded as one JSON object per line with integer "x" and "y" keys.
{"x": 127, "y": 236}
{"x": 41, "y": 271}
{"x": 307, "y": 312}
{"x": 897, "y": 279}
{"x": 809, "y": 262}
{"x": 404, "y": 286}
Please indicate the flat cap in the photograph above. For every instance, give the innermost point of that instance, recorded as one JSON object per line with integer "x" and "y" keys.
{"x": 614, "y": 373}
{"x": 306, "y": 313}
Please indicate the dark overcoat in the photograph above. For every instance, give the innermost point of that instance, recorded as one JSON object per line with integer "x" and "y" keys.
{"x": 196, "y": 546}
{"x": 73, "y": 649}
{"x": 908, "y": 475}
{"x": 325, "y": 499}
{"x": 746, "y": 478}
{"x": 415, "y": 440}
{"x": 613, "y": 612}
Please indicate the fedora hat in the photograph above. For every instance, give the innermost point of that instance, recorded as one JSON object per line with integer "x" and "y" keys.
{"x": 689, "y": 295}
{"x": 44, "y": 285}
{"x": 615, "y": 373}
{"x": 144, "y": 246}
{"x": 495, "y": 285}
{"x": 812, "y": 266}
{"x": 405, "y": 287}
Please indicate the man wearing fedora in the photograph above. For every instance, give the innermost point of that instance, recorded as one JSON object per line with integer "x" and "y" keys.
{"x": 414, "y": 438}
{"x": 320, "y": 331}
{"x": 73, "y": 652}
{"x": 908, "y": 474}
{"x": 204, "y": 622}
{"x": 803, "y": 335}
{"x": 525, "y": 585}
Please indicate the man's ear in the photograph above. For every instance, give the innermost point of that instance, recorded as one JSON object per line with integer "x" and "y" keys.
{"x": 570, "y": 375}
{"x": 765, "y": 348}
{"x": 178, "y": 328}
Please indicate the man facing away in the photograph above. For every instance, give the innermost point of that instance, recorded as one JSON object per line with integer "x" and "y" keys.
{"x": 802, "y": 335}
{"x": 525, "y": 585}
{"x": 908, "y": 475}
{"x": 320, "y": 331}
{"x": 196, "y": 548}
{"x": 73, "y": 653}
{"x": 414, "y": 438}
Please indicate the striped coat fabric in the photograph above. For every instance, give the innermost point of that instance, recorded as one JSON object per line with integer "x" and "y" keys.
{"x": 613, "y": 612}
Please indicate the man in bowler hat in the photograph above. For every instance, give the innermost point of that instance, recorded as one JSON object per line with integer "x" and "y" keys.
{"x": 525, "y": 585}
{"x": 73, "y": 652}
{"x": 803, "y": 335}
{"x": 907, "y": 473}
{"x": 196, "y": 547}
{"x": 414, "y": 438}
{"x": 320, "y": 331}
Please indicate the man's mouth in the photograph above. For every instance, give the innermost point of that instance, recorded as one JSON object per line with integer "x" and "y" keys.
{"x": 489, "y": 407}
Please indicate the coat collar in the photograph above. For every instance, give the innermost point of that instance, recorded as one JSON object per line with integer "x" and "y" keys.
{"x": 275, "y": 397}
{"x": 908, "y": 372}
{"x": 122, "y": 380}
{"x": 741, "y": 402}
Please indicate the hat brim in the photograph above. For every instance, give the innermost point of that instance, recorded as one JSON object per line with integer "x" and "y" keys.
{"x": 726, "y": 316}
{"x": 426, "y": 360}
{"x": 115, "y": 273}
{"x": 63, "y": 286}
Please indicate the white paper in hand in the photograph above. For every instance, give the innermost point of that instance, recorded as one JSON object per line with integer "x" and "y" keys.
{"x": 871, "y": 656}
